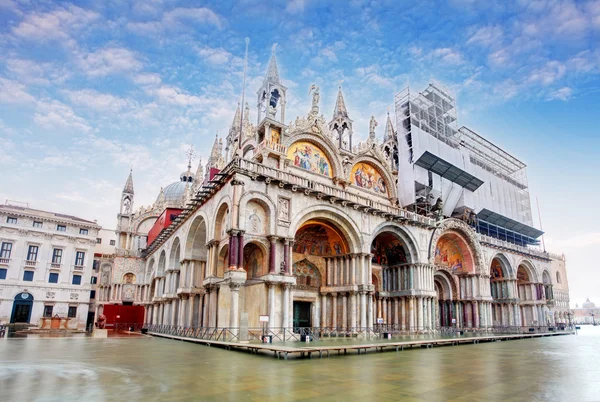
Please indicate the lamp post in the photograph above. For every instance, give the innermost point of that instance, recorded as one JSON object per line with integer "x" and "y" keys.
{"x": 593, "y": 318}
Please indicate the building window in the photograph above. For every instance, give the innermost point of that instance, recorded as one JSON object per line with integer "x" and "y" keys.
{"x": 53, "y": 277}
{"x": 5, "y": 250}
{"x": 32, "y": 253}
{"x": 10, "y": 219}
{"x": 557, "y": 277}
{"x": 61, "y": 228}
{"x": 94, "y": 280}
{"x": 83, "y": 231}
{"x": 76, "y": 280}
{"x": 72, "y": 312}
{"x": 57, "y": 256}
{"x": 28, "y": 276}
{"x": 48, "y": 311}
{"x": 2, "y": 273}
{"x": 95, "y": 265}
{"x": 37, "y": 224}
{"x": 80, "y": 256}
{"x": 98, "y": 240}
{"x": 112, "y": 242}
{"x": 92, "y": 294}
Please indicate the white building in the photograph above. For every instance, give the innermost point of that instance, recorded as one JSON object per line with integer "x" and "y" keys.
{"x": 45, "y": 266}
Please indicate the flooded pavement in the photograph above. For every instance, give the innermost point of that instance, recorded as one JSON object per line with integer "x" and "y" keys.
{"x": 152, "y": 369}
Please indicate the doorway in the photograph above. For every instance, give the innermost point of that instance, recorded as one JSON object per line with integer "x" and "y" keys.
{"x": 302, "y": 314}
{"x": 22, "y": 306}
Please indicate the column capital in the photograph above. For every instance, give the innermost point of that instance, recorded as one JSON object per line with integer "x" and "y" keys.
{"x": 287, "y": 285}
{"x": 288, "y": 240}
{"x": 212, "y": 243}
{"x": 233, "y": 232}
{"x": 235, "y": 286}
{"x": 273, "y": 238}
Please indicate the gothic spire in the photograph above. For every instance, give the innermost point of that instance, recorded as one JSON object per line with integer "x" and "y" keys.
{"x": 340, "y": 105}
{"x": 129, "y": 183}
{"x": 237, "y": 119}
{"x": 389, "y": 130}
{"x": 273, "y": 72}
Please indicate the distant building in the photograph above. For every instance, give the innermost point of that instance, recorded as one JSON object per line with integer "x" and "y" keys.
{"x": 588, "y": 313}
{"x": 45, "y": 266}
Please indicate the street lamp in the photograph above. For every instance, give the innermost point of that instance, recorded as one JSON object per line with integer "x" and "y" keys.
{"x": 593, "y": 318}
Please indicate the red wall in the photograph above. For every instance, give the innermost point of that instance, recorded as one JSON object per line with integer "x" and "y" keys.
{"x": 163, "y": 221}
{"x": 127, "y": 314}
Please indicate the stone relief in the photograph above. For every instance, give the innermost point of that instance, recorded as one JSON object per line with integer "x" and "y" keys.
{"x": 283, "y": 209}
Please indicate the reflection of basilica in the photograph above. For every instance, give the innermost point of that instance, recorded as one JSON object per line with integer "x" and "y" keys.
{"x": 295, "y": 221}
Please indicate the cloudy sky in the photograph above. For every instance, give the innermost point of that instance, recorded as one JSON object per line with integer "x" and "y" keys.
{"x": 88, "y": 90}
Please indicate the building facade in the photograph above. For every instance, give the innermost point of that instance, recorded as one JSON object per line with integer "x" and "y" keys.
{"x": 426, "y": 229}
{"x": 588, "y": 313}
{"x": 46, "y": 263}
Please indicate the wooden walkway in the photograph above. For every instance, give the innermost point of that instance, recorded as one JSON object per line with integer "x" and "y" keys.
{"x": 282, "y": 351}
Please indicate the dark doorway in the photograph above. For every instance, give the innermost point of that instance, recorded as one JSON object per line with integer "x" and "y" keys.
{"x": 21, "y": 312}
{"x": 301, "y": 314}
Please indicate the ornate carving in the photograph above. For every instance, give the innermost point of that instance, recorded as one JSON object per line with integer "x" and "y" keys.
{"x": 74, "y": 296}
{"x": 50, "y": 295}
{"x": 283, "y": 209}
{"x": 464, "y": 229}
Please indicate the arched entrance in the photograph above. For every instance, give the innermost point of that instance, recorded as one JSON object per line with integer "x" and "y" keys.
{"x": 308, "y": 282}
{"x": 528, "y": 294}
{"x": 22, "y": 306}
{"x": 254, "y": 261}
{"x": 502, "y": 289}
{"x": 444, "y": 289}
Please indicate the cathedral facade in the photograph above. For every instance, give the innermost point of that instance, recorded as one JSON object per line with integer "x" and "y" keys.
{"x": 297, "y": 223}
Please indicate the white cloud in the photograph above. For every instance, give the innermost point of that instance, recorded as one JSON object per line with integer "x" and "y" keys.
{"x": 57, "y": 24}
{"x": 36, "y": 73}
{"x": 295, "y": 6}
{"x": 563, "y": 94}
{"x": 447, "y": 55}
{"x": 147, "y": 79}
{"x": 54, "y": 115}
{"x": 110, "y": 60}
{"x": 215, "y": 56}
{"x": 196, "y": 15}
{"x": 487, "y": 36}
{"x": 14, "y": 92}
{"x": 146, "y": 28}
{"x": 176, "y": 96}
{"x": 98, "y": 101}
{"x": 547, "y": 74}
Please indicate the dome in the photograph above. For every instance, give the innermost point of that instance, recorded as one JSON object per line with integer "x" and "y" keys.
{"x": 588, "y": 304}
{"x": 174, "y": 192}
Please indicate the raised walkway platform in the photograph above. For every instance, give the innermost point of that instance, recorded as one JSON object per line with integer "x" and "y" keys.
{"x": 325, "y": 348}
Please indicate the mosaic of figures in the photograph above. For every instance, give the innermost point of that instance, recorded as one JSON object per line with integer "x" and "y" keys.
{"x": 253, "y": 260}
{"x": 129, "y": 278}
{"x": 317, "y": 239}
{"x": 307, "y": 275}
{"x": 448, "y": 254}
{"x": 497, "y": 269}
{"x": 388, "y": 250}
{"x": 308, "y": 156}
{"x": 522, "y": 275}
{"x": 366, "y": 176}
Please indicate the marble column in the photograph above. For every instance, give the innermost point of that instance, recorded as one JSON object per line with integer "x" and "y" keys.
{"x": 344, "y": 311}
{"x": 272, "y": 254}
{"x": 240, "y": 257}
{"x": 353, "y": 310}
{"x": 271, "y": 304}
{"x": 286, "y": 305}
{"x": 334, "y": 322}
{"x": 234, "y": 313}
{"x": 403, "y": 314}
{"x": 370, "y": 311}
{"x": 363, "y": 309}
{"x": 323, "y": 310}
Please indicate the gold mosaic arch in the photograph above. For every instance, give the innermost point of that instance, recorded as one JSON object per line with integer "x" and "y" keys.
{"x": 309, "y": 156}
{"x": 367, "y": 176}
{"x": 467, "y": 234}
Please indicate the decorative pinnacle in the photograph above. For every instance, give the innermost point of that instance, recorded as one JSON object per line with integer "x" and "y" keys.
{"x": 190, "y": 155}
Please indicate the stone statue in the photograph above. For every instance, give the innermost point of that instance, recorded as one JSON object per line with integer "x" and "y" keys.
{"x": 372, "y": 125}
{"x": 316, "y": 96}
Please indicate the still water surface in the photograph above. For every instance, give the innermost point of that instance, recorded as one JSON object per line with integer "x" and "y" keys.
{"x": 562, "y": 368}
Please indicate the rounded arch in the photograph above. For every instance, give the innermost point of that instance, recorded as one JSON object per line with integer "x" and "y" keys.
{"x": 221, "y": 219}
{"x": 444, "y": 285}
{"x": 150, "y": 269}
{"x": 338, "y": 219}
{"x": 175, "y": 254}
{"x": 380, "y": 169}
{"x": 526, "y": 272}
{"x": 129, "y": 278}
{"x": 321, "y": 142}
{"x": 500, "y": 267}
{"x": 255, "y": 259}
{"x": 162, "y": 262}
{"x": 412, "y": 253}
{"x": 453, "y": 253}
{"x": 266, "y": 202}
{"x": 467, "y": 236}
{"x": 546, "y": 278}
{"x": 195, "y": 244}
{"x": 308, "y": 276}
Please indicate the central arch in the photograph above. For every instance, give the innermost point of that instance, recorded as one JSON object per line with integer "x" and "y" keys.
{"x": 445, "y": 289}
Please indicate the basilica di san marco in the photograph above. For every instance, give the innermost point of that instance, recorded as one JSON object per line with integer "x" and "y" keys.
{"x": 293, "y": 226}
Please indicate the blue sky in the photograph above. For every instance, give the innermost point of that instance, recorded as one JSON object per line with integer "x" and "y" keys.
{"x": 89, "y": 89}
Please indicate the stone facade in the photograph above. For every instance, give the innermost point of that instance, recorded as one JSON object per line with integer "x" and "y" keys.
{"x": 45, "y": 266}
{"x": 303, "y": 226}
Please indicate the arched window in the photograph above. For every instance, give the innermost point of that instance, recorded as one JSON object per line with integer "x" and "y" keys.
{"x": 557, "y": 277}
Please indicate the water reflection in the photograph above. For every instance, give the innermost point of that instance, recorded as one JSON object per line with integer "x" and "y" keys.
{"x": 65, "y": 369}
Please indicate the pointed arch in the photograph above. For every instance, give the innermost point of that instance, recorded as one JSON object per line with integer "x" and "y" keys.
{"x": 380, "y": 168}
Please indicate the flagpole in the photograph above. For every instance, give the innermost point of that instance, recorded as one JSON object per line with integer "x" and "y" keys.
{"x": 243, "y": 95}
